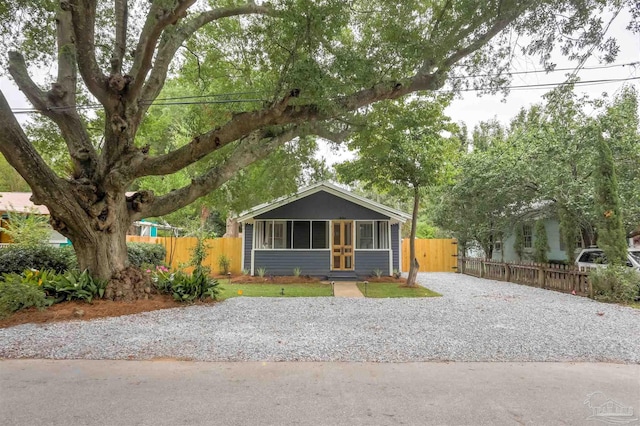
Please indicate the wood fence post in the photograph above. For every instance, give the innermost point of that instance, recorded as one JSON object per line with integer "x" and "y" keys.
{"x": 482, "y": 268}
{"x": 590, "y": 288}
{"x": 507, "y": 272}
{"x": 541, "y": 275}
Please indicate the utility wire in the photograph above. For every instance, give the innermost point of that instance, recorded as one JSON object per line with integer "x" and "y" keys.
{"x": 227, "y": 101}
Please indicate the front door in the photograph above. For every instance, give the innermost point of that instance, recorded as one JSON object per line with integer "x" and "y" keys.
{"x": 342, "y": 246}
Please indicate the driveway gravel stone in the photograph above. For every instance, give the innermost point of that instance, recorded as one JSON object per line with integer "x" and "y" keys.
{"x": 475, "y": 320}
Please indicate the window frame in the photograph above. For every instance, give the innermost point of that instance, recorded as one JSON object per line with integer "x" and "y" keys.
{"x": 379, "y": 242}
{"x": 527, "y": 236}
{"x": 267, "y": 240}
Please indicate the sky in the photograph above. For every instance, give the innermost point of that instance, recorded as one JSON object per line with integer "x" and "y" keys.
{"x": 471, "y": 109}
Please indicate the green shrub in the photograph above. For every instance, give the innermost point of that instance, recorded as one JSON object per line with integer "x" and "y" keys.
{"x": 15, "y": 259}
{"x": 188, "y": 287}
{"x": 18, "y": 292}
{"x": 74, "y": 285}
{"x": 615, "y": 284}
{"x": 145, "y": 253}
{"x": 224, "y": 263}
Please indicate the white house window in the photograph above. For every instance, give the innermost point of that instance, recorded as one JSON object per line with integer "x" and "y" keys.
{"x": 497, "y": 245}
{"x": 291, "y": 234}
{"x": 527, "y": 232}
{"x": 372, "y": 235}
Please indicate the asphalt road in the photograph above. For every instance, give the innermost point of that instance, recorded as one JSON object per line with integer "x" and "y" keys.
{"x": 45, "y": 392}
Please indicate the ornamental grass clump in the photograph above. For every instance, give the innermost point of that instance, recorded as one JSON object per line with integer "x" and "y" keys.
{"x": 615, "y": 283}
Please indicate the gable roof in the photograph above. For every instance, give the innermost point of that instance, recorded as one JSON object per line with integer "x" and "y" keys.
{"x": 19, "y": 202}
{"x": 331, "y": 189}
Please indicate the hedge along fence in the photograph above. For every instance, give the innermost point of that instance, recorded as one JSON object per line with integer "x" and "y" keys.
{"x": 179, "y": 250}
{"x": 543, "y": 275}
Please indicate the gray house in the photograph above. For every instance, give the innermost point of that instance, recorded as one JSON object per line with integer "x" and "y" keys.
{"x": 324, "y": 231}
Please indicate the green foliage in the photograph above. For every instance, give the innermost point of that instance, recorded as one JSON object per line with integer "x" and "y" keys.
{"x": 611, "y": 235}
{"x": 297, "y": 271}
{"x": 224, "y": 263}
{"x": 615, "y": 283}
{"x": 18, "y": 292}
{"x": 191, "y": 287}
{"x": 145, "y": 253}
{"x": 74, "y": 285}
{"x": 377, "y": 272}
{"x": 15, "y": 258}
{"x": 28, "y": 229}
{"x": 262, "y": 272}
{"x": 11, "y": 180}
{"x": 540, "y": 243}
{"x": 544, "y": 162}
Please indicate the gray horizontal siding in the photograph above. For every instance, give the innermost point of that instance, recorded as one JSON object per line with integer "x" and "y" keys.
{"x": 322, "y": 205}
{"x": 368, "y": 261}
{"x": 282, "y": 262}
{"x": 395, "y": 246}
{"x": 247, "y": 231}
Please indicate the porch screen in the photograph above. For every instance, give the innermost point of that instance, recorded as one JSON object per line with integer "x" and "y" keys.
{"x": 297, "y": 234}
{"x": 372, "y": 235}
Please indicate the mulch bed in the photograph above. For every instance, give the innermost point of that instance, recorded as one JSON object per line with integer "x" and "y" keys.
{"x": 67, "y": 311}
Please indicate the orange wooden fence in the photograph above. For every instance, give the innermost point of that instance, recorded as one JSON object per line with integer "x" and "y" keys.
{"x": 434, "y": 255}
{"x": 179, "y": 251}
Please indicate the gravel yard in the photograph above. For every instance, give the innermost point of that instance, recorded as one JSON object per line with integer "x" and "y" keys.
{"x": 475, "y": 320}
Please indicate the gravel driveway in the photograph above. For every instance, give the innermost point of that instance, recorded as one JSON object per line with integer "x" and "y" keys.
{"x": 475, "y": 320}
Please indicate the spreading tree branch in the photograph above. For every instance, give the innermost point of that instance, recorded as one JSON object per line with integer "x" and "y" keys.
{"x": 83, "y": 14}
{"x": 172, "y": 40}
{"x": 253, "y": 148}
{"x": 21, "y": 154}
{"x": 58, "y": 104}
{"x": 160, "y": 16}
{"x": 121, "y": 9}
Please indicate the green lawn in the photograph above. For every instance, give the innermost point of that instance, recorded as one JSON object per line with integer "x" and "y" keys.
{"x": 395, "y": 290}
{"x": 274, "y": 290}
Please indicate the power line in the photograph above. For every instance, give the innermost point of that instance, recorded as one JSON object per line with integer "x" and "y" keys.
{"x": 229, "y": 101}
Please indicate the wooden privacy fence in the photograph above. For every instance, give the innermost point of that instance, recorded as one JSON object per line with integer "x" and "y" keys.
{"x": 434, "y": 255}
{"x": 179, "y": 251}
{"x": 548, "y": 276}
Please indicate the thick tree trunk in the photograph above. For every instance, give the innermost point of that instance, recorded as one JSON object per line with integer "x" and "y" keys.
{"x": 99, "y": 240}
{"x": 415, "y": 266}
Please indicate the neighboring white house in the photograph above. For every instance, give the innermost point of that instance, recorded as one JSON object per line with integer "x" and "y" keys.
{"x": 19, "y": 202}
{"x": 504, "y": 250}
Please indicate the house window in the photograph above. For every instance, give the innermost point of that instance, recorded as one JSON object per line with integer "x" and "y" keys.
{"x": 364, "y": 235}
{"x": 497, "y": 245}
{"x": 578, "y": 243}
{"x": 301, "y": 235}
{"x": 382, "y": 235}
{"x": 319, "y": 234}
{"x": 527, "y": 232}
{"x": 372, "y": 235}
{"x": 296, "y": 234}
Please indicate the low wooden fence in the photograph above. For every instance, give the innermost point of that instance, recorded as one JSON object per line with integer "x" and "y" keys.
{"x": 179, "y": 251}
{"x": 543, "y": 275}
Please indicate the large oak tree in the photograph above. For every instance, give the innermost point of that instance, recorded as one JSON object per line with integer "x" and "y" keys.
{"x": 309, "y": 63}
